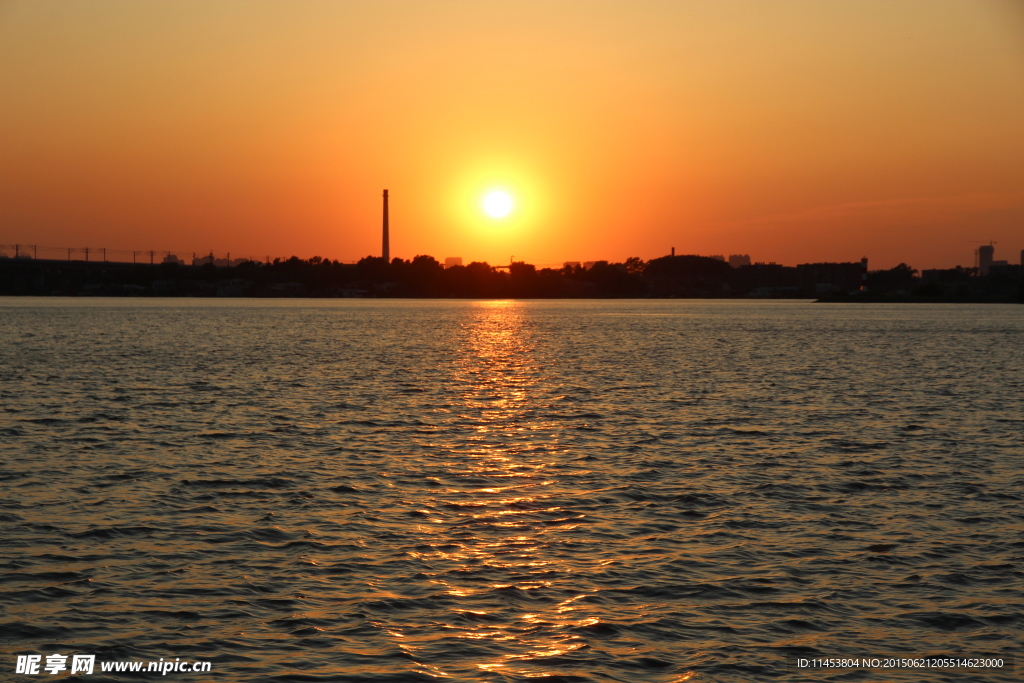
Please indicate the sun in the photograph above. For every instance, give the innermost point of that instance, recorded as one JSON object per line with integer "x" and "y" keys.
{"x": 497, "y": 203}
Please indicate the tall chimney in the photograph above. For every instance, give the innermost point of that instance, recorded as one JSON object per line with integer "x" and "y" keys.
{"x": 387, "y": 246}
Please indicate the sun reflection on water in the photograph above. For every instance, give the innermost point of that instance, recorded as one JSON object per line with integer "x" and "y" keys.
{"x": 493, "y": 519}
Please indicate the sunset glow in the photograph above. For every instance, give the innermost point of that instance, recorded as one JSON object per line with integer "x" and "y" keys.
{"x": 791, "y": 131}
{"x": 512, "y": 340}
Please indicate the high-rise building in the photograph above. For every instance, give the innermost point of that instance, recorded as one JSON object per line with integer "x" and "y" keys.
{"x": 452, "y": 261}
{"x": 737, "y": 260}
{"x": 985, "y": 254}
{"x": 386, "y": 250}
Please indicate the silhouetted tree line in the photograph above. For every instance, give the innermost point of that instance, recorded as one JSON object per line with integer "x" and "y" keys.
{"x": 423, "y": 276}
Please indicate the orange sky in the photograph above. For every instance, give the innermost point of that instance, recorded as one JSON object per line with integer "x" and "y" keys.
{"x": 792, "y": 131}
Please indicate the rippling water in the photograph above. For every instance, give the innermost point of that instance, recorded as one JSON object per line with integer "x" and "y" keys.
{"x": 631, "y": 491}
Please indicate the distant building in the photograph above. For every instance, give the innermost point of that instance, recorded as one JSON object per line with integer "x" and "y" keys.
{"x": 587, "y": 265}
{"x": 737, "y": 260}
{"x": 452, "y": 261}
{"x": 571, "y": 264}
{"x": 173, "y": 258}
{"x": 985, "y": 254}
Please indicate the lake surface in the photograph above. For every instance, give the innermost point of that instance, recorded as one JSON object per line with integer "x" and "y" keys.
{"x": 638, "y": 491}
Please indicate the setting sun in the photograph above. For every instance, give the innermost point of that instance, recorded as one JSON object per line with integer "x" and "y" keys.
{"x": 497, "y": 204}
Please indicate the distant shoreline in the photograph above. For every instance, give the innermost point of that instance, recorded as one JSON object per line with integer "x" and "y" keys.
{"x": 423, "y": 277}
{"x": 910, "y": 300}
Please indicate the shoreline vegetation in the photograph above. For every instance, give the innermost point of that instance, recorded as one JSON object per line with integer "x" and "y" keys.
{"x": 424, "y": 277}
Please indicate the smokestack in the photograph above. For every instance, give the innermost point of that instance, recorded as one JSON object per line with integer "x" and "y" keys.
{"x": 387, "y": 247}
{"x": 673, "y": 251}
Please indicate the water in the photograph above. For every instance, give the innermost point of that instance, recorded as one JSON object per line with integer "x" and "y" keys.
{"x": 636, "y": 491}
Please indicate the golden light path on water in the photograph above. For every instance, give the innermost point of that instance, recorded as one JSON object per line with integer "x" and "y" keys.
{"x": 497, "y": 371}
{"x": 511, "y": 530}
